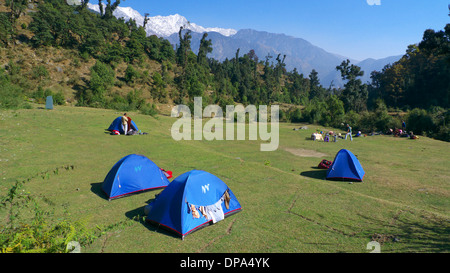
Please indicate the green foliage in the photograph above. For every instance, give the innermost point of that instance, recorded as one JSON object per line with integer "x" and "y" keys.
{"x": 5, "y": 29}
{"x": 149, "y": 109}
{"x": 159, "y": 49}
{"x": 59, "y": 98}
{"x": 11, "y": 95}
{"x": 40, "y": 96}
{"x": 205, "y": 48}
{"x": 39, "y": 72}
{"x": 135, "y": 45}
{"x": 8, "y": 22}
{"x": 355, "y": 94}
{"x": 328, "y": 112}
{"x": 36, "y": 234}
{"x": 315, "y": 89}
{"x": 102, "y": 79}
{"x": 432, "y": 123}
{"x": 421, "y": 78}
{"x": 184, "y": 47}
{"x": 295, "y": 115}
{"x": 131, "y": 74}
{"x": 158, "y": 90}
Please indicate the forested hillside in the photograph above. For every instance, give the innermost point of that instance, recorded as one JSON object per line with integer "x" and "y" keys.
{"x": 87, "y": 59}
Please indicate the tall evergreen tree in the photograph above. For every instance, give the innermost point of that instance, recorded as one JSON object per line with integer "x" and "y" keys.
{"x": 355, "y": 93}
{"x": 16, "y": 9}
{"x": 204, "y": 49}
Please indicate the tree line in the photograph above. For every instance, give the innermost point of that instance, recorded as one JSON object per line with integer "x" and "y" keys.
{"x": 418, "y": 84}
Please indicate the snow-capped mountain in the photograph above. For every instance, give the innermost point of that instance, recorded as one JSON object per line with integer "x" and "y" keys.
{"x": 300, "y": 54}
{"x": 162, "y": 26}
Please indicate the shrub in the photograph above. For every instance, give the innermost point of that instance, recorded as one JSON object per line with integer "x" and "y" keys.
{"x": 38, "y": 234}
{"x": 131, "y": 74}
{"x": 12, "y": 97}
{"x": 39, "y": 72}
{"x": 58, "y": 98}
{"x": 420, "y": 122}
{"x": 102, "y": 78}
{"x": 149, "y": 109}
{"x": 296, "y": 115}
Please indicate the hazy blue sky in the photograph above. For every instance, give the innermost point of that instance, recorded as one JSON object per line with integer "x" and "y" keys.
{"x": 351, "y": 28}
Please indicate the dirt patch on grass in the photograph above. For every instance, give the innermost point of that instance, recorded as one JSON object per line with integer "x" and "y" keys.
{"x": 304, "y": 152}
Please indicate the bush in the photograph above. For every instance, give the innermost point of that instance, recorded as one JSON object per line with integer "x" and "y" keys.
{"x": 39, "y": 72}
{"x": 432, "y": 123}
{"x": 102, "y": 79}
{"x": 37, "y": 235}
{"x": 59, "y": 99}
{"x": 131, "y": 74}
{"x": 12, "y": 97}
{"x": 149, "y": 109}
{"x": 295, "y": 115}
{"x": 379, "y": 120}
{"x": 40, "y": 95}
{"x": 420, "y": 122}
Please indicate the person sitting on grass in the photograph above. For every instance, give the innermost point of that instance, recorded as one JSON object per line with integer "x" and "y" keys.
{"x": 412, "y": 136}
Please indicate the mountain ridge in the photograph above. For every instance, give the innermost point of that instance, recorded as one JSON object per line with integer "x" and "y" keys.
{"x": 300, "y": 53}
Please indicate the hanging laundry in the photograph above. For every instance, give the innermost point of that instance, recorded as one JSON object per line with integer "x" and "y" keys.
{"x": 212, "y": 212}
{"x": 215, "y": 212}
{"x": 195, "y": 213}
{"x": 203, "y": 211}
{"x": 227, "y": 199}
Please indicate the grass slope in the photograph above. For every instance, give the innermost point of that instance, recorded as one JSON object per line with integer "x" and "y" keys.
{"x": 403, "y": 202}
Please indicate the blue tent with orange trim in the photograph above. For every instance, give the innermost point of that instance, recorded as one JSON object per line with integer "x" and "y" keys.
{"x": 132, "y": 174}
{"x": 345, "y": 167}
{"x": 193, "y": 200}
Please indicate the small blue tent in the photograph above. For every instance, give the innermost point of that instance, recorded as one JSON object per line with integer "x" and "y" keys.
{"x": 117, "y": 125}
{"x": 191, "y": 201}
{"x": 131, "y": 174}
{"x": 345, "y": 167}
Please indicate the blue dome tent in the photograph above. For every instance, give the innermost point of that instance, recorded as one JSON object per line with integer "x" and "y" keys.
{"x": 131, "y": 174}
{"x": 192, "y": 201}
{"x": 117, "y": 125}
{"x": 345, "y": 167}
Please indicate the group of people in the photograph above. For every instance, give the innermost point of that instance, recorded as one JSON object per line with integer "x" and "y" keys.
{"x": 326, "y": 137}
{"x": 330, "y": 134}
{"x": 397, "y": 132}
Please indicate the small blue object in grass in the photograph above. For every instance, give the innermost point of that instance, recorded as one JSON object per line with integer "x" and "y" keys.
{"x": 49, "y": 103}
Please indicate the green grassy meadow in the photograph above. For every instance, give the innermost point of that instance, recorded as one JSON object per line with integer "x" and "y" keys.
{"x": 288, "y": 207}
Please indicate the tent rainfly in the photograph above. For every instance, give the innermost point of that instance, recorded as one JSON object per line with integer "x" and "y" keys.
{"x": 132, "y": 174}
{"x": 345, "y": 167}
{"x": 192, "y": 201}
